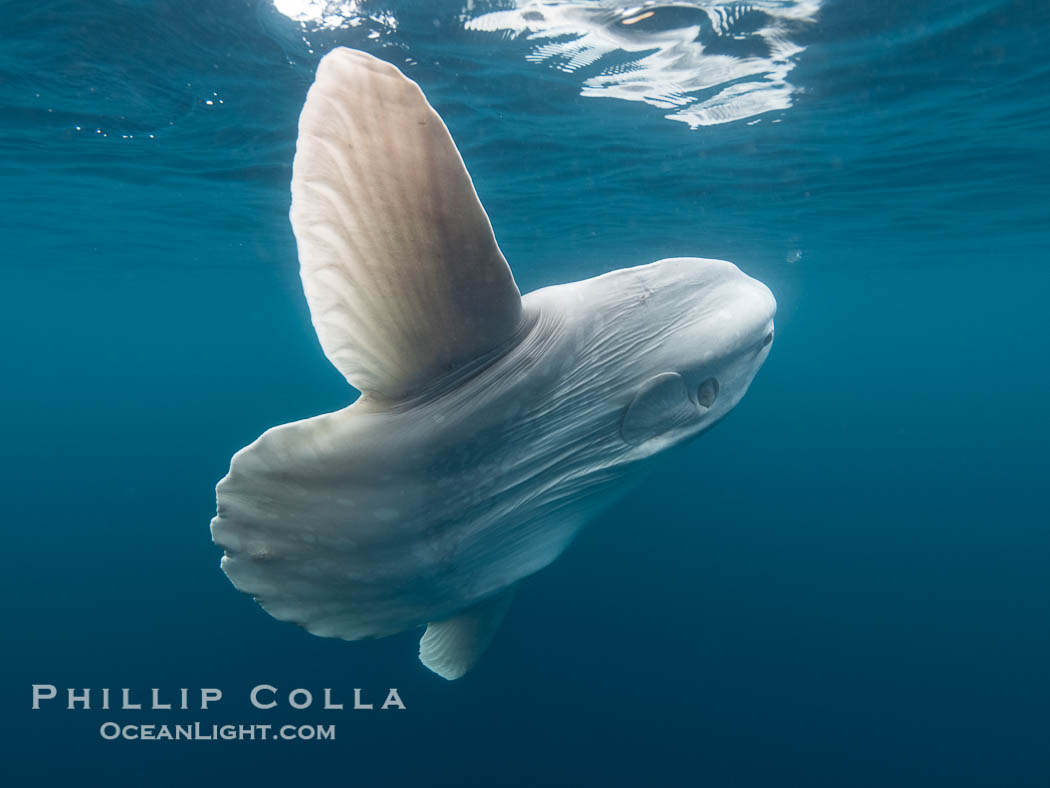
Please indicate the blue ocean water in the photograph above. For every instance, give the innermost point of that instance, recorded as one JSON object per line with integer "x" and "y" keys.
{"x": 845, "y": 584}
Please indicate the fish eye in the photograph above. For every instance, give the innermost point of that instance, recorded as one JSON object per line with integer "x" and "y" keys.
{"x": 768, "y": 338}
{"x": 707, "y": 393}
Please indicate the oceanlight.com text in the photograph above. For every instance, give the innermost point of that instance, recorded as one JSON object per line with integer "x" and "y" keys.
{"x": 197, "y": 731}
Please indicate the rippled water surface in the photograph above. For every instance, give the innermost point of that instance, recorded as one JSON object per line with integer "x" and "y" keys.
{"x": 845, "y": 584}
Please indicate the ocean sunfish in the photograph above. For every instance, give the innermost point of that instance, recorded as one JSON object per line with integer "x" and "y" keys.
{"x": 491, "y": 426}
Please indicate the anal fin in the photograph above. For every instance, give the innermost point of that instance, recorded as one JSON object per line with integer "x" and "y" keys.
{"x": 452, "y": 647}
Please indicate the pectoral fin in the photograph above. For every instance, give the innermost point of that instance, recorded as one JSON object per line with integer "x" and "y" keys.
{"x": 661, "y": 404}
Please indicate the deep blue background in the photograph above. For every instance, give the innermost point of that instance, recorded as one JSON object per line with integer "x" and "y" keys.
{"x": 845, "y": 584}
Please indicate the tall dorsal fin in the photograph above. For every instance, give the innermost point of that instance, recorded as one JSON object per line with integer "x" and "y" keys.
{"x": 398, "y": 260}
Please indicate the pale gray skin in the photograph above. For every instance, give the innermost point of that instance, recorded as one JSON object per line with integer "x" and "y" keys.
{"x": 410, "y": 514}
{"x": 491, "y": 427}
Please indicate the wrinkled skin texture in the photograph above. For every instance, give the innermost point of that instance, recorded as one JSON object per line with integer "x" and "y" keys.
{"x": 409, "y": 512}
{"x": 491, "y": 426}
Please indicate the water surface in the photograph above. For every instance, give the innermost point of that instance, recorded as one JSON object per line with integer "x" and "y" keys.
{"x": 845, "y": 584}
